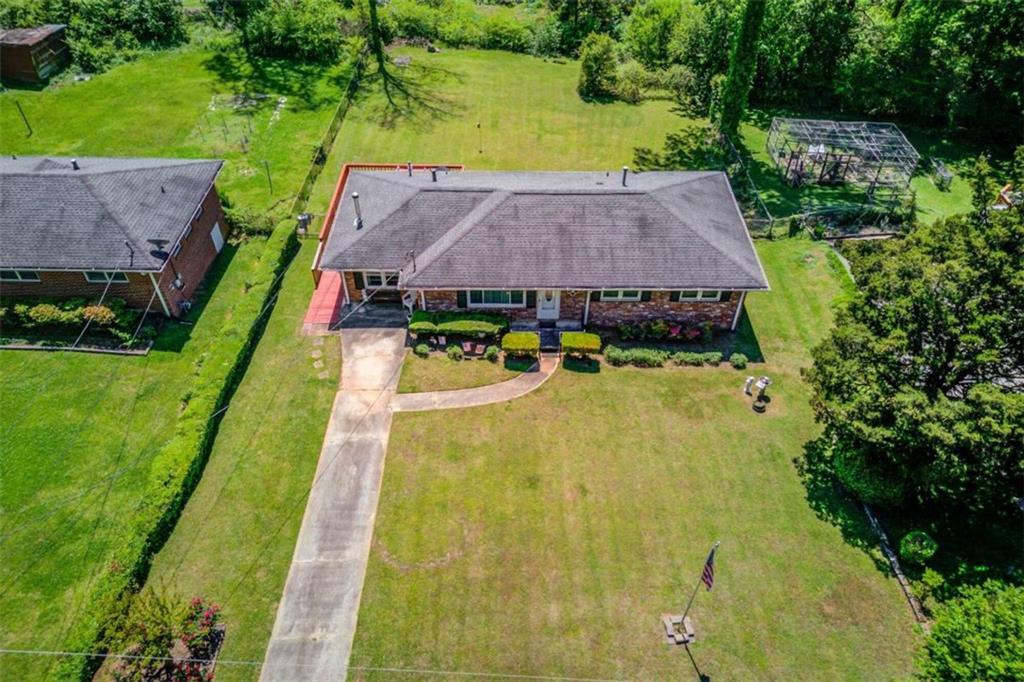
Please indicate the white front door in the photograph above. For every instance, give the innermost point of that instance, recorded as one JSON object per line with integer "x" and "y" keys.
{"x": 217, "y": 237}
{"x": 547, "y": 304}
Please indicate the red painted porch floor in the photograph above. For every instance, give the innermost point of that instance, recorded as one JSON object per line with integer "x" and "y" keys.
{"x": 325, "y": 305}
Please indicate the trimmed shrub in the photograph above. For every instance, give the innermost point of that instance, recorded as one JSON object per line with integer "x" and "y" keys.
{"x": 249, "y": 222}
{"x": 917, "y": 547}
{"x": 491, "y": 353}
{"x": 460, "y": 324}
{"x": 521, "y": 343}
{"x": 177, "y": 466}
{"x": 454, "y": 352}
{"x": 638, "y": 357}
{"x": 422, "y": 350}
{"x": 688, "y": 358}
{"x": 712, "y": 358}
{"x": 99, "y": 314}
{"x": 738, "y": 360}
{"x": 582, "y": 344}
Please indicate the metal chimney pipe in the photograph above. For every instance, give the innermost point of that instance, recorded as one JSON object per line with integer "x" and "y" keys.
{"x": 74, "y": 163}
{"x": 409, "y": 164}
{"x": 359, "y": 213}
{"x": 625, "y": 169}
{"x": 433, "y": 175}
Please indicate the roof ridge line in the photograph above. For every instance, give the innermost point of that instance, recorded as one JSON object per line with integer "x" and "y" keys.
{"x": 671, "y": 209}
{"x": 121, "y": 225}
{"x": 454, "y": 235}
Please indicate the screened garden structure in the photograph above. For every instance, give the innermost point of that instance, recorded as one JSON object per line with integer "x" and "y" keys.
{"x": 875, "y": 157}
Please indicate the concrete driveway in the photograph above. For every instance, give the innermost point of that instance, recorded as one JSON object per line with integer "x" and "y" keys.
{"x": 316, "y": 619}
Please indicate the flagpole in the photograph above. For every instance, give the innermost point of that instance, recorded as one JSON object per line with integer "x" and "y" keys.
{"x": 700, "y": 579}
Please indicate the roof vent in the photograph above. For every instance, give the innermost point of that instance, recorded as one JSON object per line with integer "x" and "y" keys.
{"x": 625, "y": 170}
{"x": 433, "y": 175}
{"x": 409, "y": 164}
{"x": 162, "y": 190}
{"x": 74, "y": 163}
{"x": 359, "y": 214}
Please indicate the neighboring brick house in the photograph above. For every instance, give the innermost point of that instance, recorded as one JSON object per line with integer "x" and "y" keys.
{"x": 566, "y": 250}
{"x": 150, "y": 228}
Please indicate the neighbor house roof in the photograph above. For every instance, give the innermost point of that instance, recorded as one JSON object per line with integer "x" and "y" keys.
{"x": 54, "y": 217}
{"x": 29, "y": 36}
{"x": 510, "y": 230}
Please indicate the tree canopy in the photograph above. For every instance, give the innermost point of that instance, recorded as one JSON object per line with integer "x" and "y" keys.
{"x": 921, "y": 382}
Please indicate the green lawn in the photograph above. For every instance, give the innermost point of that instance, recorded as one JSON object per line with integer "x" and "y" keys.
{"x": 546, "y": 536}
{"x": 529, "y": 114}
{"x": 78, "y": 432}
{"x": 179, "y": 104}
{"x": 437, "y": 373}
{"x": 234, "y": 542}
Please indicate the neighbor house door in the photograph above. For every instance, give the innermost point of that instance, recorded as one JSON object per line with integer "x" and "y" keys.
{"x": 217, "y": 237}
{"x": 547, "y": 304}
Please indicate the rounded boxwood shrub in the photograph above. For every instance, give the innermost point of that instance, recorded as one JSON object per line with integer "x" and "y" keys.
{"x": 491, "y": 353}
{"x": 422, "y": 350}
{"x": 454, "y": 352}
{"x": 917, "y": 547}
{"x": 738, "y": 360}
{"x": 869, "y": 483}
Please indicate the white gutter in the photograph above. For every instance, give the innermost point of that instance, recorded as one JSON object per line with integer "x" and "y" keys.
{"x": 160, "y": 295}
{"x": 739, "y": 309}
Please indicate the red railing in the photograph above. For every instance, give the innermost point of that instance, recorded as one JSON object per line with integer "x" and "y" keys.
{"x": 325, "y": 231}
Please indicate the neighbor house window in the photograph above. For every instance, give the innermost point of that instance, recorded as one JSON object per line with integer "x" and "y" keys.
{"x": 381, "y": 279}
{"x": 18, "y": 276}
{"x": 699, "y": 295}
{"x": 619, "y": 295}
{"x": 496, "y": 298}
{"x": 103, "y": 276}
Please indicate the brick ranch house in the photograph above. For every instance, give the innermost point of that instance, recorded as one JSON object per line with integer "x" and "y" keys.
{"x": 148, "y": 228}
{"x": 547, "y": 249}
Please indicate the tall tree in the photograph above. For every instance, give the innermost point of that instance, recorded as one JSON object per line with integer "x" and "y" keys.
{"x": 920, "y": 384}
{"x": 742, "y": 65}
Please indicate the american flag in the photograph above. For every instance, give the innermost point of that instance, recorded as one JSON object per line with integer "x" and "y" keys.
{"x": 709, "y": 569}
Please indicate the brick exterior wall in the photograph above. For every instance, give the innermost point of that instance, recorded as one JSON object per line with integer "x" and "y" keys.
{"x": 720, "y": 314}
{"x": 196, "y": 256}
{"x": 603, "y": 314}
{"x": 59, "y": 285}
{"x": 192, "y": 262}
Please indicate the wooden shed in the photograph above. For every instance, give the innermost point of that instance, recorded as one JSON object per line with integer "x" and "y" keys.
{"x": 32, "y": 55}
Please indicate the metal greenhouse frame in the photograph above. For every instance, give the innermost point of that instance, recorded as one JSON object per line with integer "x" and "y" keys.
{"x": 875, "y": 157}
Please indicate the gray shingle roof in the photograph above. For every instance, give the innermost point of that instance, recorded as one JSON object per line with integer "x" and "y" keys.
{"x": 547, "y": 230}
{"x": 55, "y": 217}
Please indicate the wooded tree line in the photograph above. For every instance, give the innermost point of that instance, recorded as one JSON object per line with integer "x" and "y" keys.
{"x": 931, "y": 62}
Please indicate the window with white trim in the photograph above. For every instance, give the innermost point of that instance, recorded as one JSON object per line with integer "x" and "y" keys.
{"x": 699, "y": 295}
{"x": 18, "y": 276}
{"x": 381, "y": 279}
{"x": 104, "y": 276}
{"x": 497, "y": 298}
{"x": 620, "y": 295}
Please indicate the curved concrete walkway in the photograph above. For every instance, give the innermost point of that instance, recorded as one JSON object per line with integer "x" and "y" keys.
{"x": 482, "y": 395}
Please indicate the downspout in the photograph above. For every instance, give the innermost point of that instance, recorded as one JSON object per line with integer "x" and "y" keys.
{"x": 586, "y": 308}
{"x": 423, "y": 300}
{"x": 739, "y": 308}
{"x": 160, "y": 295}
{"x": 344, "y": 286}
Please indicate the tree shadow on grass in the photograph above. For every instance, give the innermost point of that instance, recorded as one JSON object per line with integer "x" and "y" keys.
{"x": 300, "y": 81}
{"x": 831, "y": 503}
{"x": 410, "y": 96}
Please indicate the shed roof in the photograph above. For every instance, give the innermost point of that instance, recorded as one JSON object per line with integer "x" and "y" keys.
{"x": 546, "y": 230}
{"x": 53, "y": 217}
{"x": 29, "y": 36}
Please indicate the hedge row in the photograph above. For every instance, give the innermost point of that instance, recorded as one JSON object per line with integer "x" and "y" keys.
{"x": 178, "y": 465}
{"x": 657, "y": 357}
{"x": 460, "y": 324}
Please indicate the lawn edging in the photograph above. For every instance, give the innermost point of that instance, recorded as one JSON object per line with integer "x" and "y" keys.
{"x": 178, "y": 465}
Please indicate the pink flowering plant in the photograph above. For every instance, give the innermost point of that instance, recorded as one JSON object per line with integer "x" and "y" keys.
{"x": 199, "y": 627}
